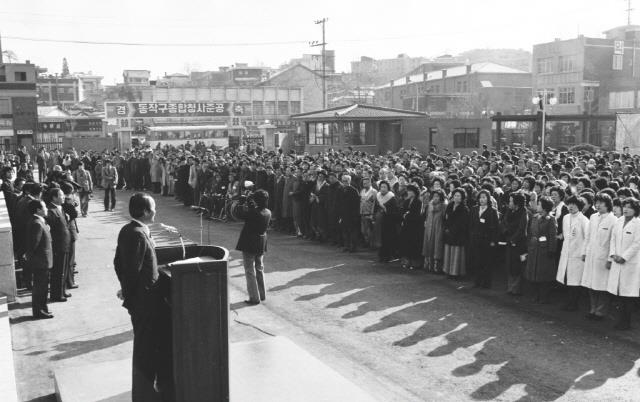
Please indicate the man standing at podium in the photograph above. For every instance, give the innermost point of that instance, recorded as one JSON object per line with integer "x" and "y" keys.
{"x": 137, "y": 269}
{"x": 253, "y": 243}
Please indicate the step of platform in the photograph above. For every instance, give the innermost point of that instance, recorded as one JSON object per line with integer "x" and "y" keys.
{"x": 273, "y": 369}
{"x": 8, "y": 390}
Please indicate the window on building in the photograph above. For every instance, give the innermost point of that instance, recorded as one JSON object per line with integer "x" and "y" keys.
{"x": 5, "y": 106}
{"x": 320, "y": 133}
{"x": 547, "y": 94}
{"x": 566, "y": 95}
{"x": 269, "y": 108}
{"x": 567, "y": 63}
{"x": 544, "y": 65}
{"x": 464, "y": 86}
{"x": 258, "y": 109}
{"x": 295, "y": 107}
{"x": 20, "y": 76}
{"x": 283, "y": 108}
{"x": 458, "y": 86}
{"x": 466, "y": 137}
{"x": 387, "y": 95}
{"x": 621, "y": 100}
{"x": 60, "y": 90}
{"x": 617, "y": 62}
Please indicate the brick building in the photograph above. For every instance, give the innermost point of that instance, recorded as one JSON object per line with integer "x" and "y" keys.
{"x": 590, "y": 75}
{"x": 476, "y": 90}
{"x": 18, "y": 114}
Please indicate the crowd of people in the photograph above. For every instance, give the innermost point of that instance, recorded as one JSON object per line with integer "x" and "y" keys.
{"x": 43, "y": 215}
{"x": 546, "y": 220}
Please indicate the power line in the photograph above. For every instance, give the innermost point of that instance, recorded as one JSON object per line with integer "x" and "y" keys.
{"x": 212, "y": 44}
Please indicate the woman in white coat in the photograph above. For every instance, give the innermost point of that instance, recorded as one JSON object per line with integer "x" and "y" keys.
{"x": 596, "y": 254}
{"x": 571, "y": 265}
{"x": 624, "y": 278}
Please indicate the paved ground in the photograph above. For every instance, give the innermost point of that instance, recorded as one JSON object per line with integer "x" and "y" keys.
{"x": 402, "y": 336}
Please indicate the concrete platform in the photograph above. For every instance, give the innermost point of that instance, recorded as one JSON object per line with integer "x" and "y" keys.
{"x": 273, "y": 369}
{"x": 8, "y": 390}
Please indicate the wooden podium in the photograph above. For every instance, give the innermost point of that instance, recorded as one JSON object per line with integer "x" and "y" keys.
{"x": 200, "y": 320}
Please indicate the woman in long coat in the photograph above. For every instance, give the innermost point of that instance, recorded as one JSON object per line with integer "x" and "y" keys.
{"x": 624, "y": 252}
{"x": 433, "y": 244}
{"x": 574, "y": 233}
{"x": 515, "y": 235}
{"x": 596, "y": 273}
{"x": 541, "y": 251}
{"x": 484, "y": 229}
{"x": 387, "y": 213}
{"x": 411, "y": 229}
{"x": 456, "y": 234}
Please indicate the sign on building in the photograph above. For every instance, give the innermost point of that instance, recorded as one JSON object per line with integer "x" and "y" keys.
{"x": 169, "y": 109}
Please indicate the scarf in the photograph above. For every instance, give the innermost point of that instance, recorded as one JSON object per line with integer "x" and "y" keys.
{"x": 382, "y": 199}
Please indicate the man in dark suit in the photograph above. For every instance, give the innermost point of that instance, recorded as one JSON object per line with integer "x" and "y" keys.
{"x": 137, "y": 269}
{"x": 349, "y": 214}
{"x": 253, "y": 243}
{"x": 61, "y": 241}
{"x": 38, "y": 257}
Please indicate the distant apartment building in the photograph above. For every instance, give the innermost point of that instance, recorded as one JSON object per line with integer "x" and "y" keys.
{"x": 244, "y": 75}
{"x": 475, "y": 90}
{"x": 136, "y": 77}
{"x": 590, "y": 75}
{"x": 54, "y": 90}
{"x": 18, "y": 109}
{"x": 370, "y": 71}
{"x": 314, "y": 62}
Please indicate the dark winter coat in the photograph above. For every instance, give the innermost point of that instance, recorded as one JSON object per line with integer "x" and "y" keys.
{"x": 456, "y": 225}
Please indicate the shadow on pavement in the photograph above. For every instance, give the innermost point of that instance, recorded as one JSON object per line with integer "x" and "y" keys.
{"x": 76, "y": 348}
{"x": 46, "y": 398}
{"x": 450, "y": 323}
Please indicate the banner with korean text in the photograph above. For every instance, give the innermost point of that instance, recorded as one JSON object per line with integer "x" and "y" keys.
{"x": 171, "y": 109}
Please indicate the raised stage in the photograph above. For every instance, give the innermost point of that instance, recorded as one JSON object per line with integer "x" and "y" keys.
{"x": 273, "y": 369}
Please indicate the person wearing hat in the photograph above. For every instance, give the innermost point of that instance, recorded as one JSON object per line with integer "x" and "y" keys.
{"x": 109, "y": 181}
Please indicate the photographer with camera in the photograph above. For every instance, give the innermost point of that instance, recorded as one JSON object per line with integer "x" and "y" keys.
{"x": 83, "y": 178}
{"x": 253, "y": 241}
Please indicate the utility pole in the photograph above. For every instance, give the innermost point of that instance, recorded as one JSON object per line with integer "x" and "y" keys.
{"x": 324, "y": 73}
{"x": 629, "y": 10}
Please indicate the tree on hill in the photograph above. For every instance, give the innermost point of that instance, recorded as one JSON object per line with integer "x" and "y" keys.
{"x": 65, "y": 67}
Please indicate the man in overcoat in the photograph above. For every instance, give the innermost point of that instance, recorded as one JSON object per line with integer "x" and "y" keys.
{"x": 253, "y": 243}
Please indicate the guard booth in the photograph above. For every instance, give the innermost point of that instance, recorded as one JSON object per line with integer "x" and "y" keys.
{"x": 199, "y": 320}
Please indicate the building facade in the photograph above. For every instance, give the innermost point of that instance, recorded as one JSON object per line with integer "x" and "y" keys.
{"x": 55, "y": 124}
{"x": 54, "y": 90}
{"x": 370, "y": 71}
{"x": 471, "y": 91}
{"x": 590, "y": 75}
{"x": 136, "y": 78}
{"x": 18, "y": 110}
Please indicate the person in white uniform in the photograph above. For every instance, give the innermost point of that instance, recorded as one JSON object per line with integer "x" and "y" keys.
{"x": 571, "y": 265}
{"x": 624, "y": 252}
{"x": 596, "y": 255}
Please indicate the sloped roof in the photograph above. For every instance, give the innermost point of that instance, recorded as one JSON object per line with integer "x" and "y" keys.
{"x": 51, "y": 111}
{"x": 360, "y": 112}
{"x": 457, "y": 71}
{"x": 286, "y": 70}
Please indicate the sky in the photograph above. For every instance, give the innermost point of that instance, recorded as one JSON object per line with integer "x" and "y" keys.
{"x": 272, "y": 32}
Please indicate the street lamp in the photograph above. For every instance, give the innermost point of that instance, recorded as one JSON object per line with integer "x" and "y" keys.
{"x": 540, "y": 101}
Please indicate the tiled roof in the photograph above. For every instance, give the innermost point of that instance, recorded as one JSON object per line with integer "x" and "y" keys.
{"x": 357, "y": 111}
{"x": 456, "y": 71}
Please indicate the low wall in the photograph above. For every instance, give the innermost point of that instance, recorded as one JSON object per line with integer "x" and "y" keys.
{"x": 97, "y": 144}
{"x": 7, "y": 267}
